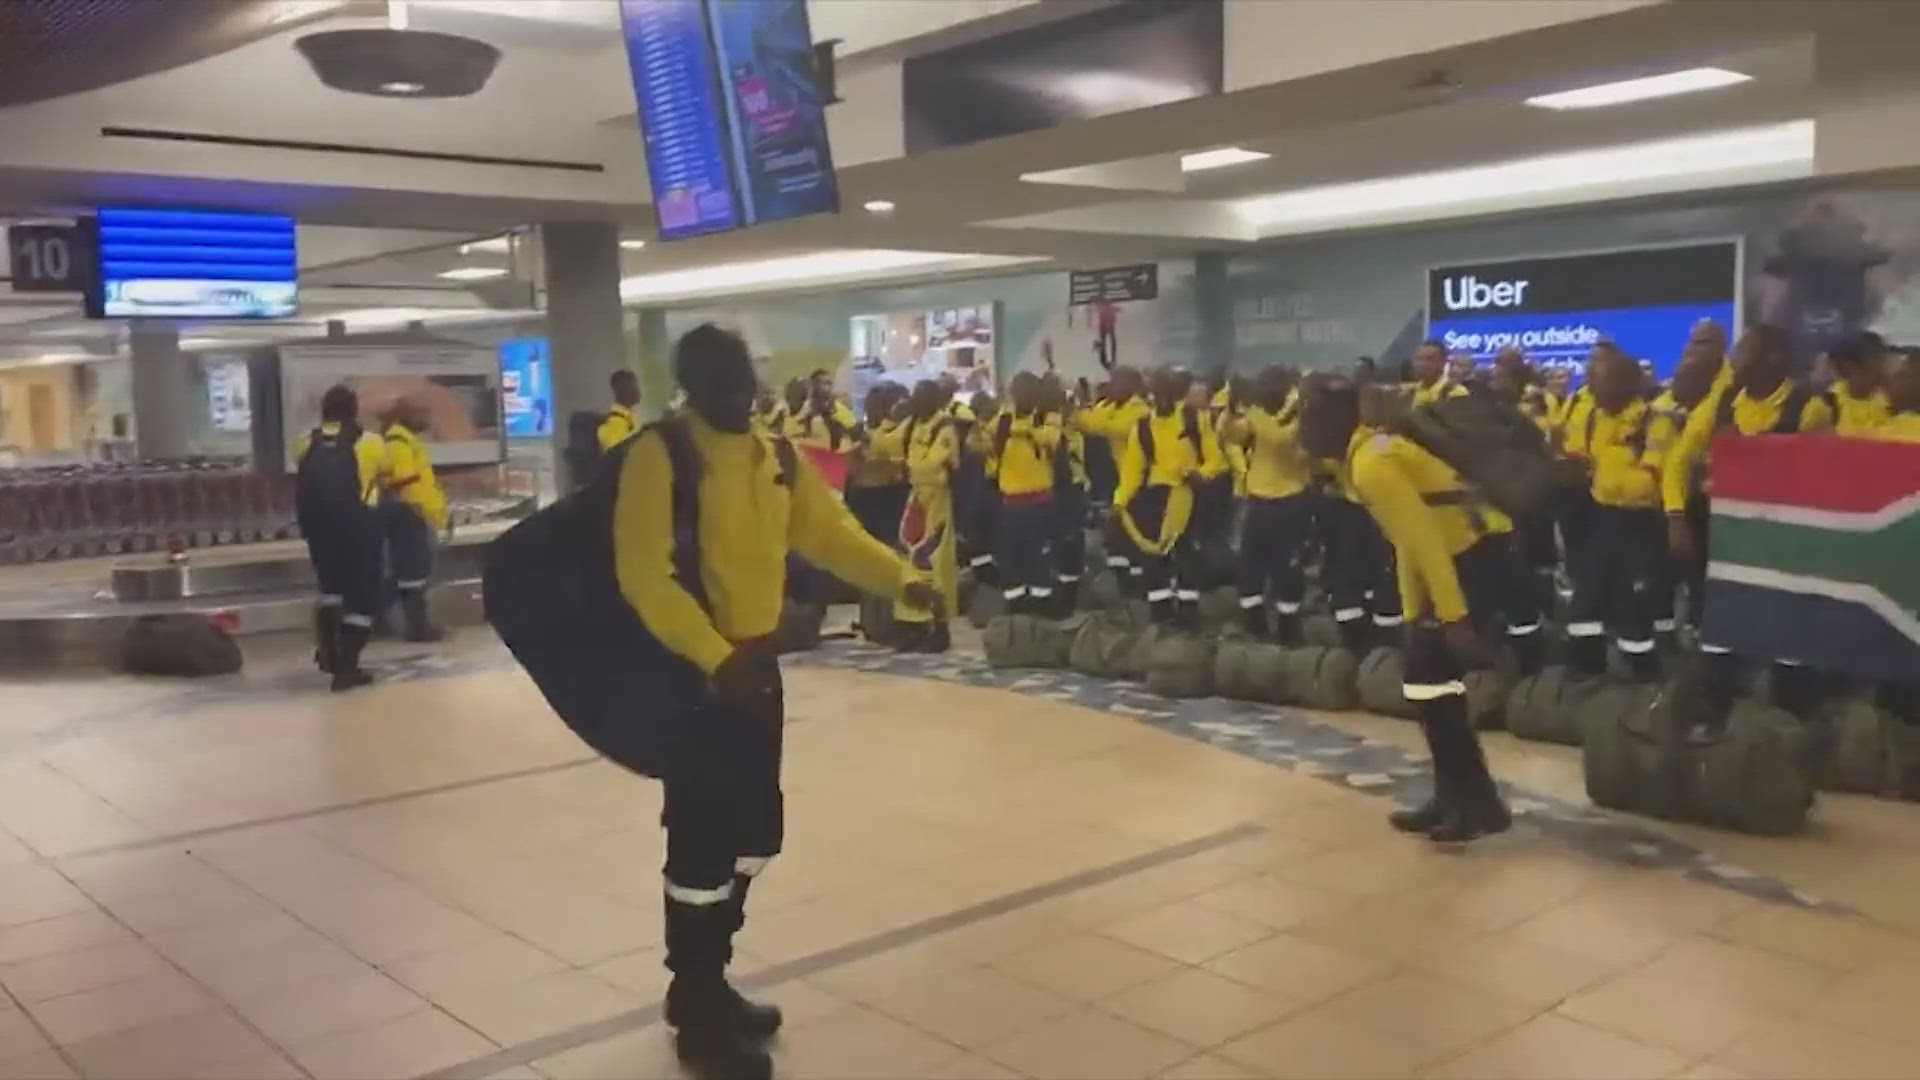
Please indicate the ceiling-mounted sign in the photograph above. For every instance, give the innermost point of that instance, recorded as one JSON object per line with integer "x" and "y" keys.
{"x": 1115, "y": 284}
{"x": 49, "y": 258}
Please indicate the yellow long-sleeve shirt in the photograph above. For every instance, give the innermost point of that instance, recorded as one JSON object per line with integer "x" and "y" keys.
{"x": 749, "y": 521}
{"x": 1021, "y": 451}
{"x": 1626, "y": 450}
{"x": 410, "y": 476}
{"x": 882, "y": 459}
{"x": 1270, "y": 440}
{"x": 369, "y": 454}
{"x": 615, "y": 427}
{"x": 1856, "y": 414}
{"x": 1398, "y": 482}
{"x": 1184, "y": 446}
{"x": 1900, "y": 427}
{"x": 1436, "y": 391}
{"x": 819, "y": 426}
{"x": 1114, "y": 421}
{"x": 1748, "y": 416}
{"x": 933, "y": 448}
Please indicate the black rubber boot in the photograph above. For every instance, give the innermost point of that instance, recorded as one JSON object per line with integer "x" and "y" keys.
{"x": 706, "y": 1013}
{"x": 413, "y": 611}
{"x": 1439, "y": 806}
{"x": 1286, "y": 630}
{"x": 1066, "y": 598}
{"x": 326, "y": 637}
{"x": 1476, "y": 808}
{"x": 1254, "y": 620}
{"x": 347, "y": 673}
{"x": 757, "y": 1022}
{"x": 1588, "y": 655}
{"x": 1529, "y": 652}
{"x": 1357, "y": 636}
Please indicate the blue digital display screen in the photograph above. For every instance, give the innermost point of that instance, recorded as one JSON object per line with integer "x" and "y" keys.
{"x": 526, "y": 387}
{"x": 677, "y": 86}
{"x": 1556, "y": 309}
{"x": 732, "y": 121}
{"x": 205, "y": 264}
{"x": 783, "y": 166}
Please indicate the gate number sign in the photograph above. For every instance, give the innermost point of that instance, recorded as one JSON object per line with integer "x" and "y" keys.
{"x": 47, "y": 258}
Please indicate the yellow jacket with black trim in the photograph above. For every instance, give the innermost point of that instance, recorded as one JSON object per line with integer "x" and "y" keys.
{"x": 1436, "y": 391}
{"x": 750, "y": 519}
{"x": 1858, "y": 414}
{"x": 1747, "y": 415}
{"x": 1184, "y": 449}
{"x": 1020, "y": 452}
{"x": 616, "y": 426}
{"x": 1269, "y": 444}
{"x": 410, "y": 476}
{"x": 933, "y": 450}
{"x": 1626, "y": 450}
{"x": 1114, "y": 421}
{"x": 1417, "y": 500}
{"x": 881, "y": 460}
{"x": 829, "y": 427}
{"x": 369, "y": 455}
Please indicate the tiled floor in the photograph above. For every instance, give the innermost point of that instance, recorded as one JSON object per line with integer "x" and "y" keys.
{"x": 255, "y": 879}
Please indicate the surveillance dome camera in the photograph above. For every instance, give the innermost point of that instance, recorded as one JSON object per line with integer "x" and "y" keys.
{"x": 400, "y": 63}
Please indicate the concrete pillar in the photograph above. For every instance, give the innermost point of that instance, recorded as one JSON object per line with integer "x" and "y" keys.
{"x": 1213, "y": 311}
{"x": 654, "y": 351}
{"x": 163, "y": 391}
{"x": 586, "y": 326}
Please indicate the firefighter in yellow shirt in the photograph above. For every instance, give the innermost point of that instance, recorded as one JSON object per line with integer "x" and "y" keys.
{"x": 876, "y": 489}
{"x": 1902, "y": 371}
{"x": 927, "y": 532}
{"x": 723, "y": 806}
{"x": 1110, "y": 423}
{"x": 1692, "y": 381}
{"x": 413, "y": 512}
{"x": 337, "y": 485}
{"x": 620, "y": 421}
{"x": 1171, "y": 453}
{"x": 1070, "y": 494}
{"x": 1430, "y": 375}
{"x": 1451, "y": 579}
{"x": 1618, "y": 573}
{"x": 1279, "y": 508}
{"x": 1860, "y": 404}
{"x": 1024, "y": 441}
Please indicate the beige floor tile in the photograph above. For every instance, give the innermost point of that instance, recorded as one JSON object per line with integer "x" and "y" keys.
{"x": 1302, "y": 971}
{"x": 1806, "y": 1050}
{"x": 497, "y": 959}
{"x": 860, "y": 1044}
{"x": 1511, "y": 968}
{"x": 1198, "y": 1007}
{"x": 1311, "y": 1047}
{"x": 1745, "y": 974}
{"x": 1428, "y": 1017}
{"x": 1273, "y": 901}
{"x": 969, "y": 1007}
{"x": 209, "y": 1044}
{"x": 1210, "y": 1067}
{"x": 1819, "y": 937}
{"x": 325, "y": 1006}
{"x": 37, "y": 892}
{"x": 80, "y": 970}
{"x": 33, "y": 1063}
{"x": 1683, "y": 1016}
{"x": 62, "y": 933}
{"x": 1599, "y": 933}
{"x": 243, "y": 972}
{"x": 510, "y": 1013}
{"x": 1189, "y": 932}
{"x": 644, "y": 973}
{"x": 1391, "y": 929}
{"x": 1088, "y": 1045}
{"x": 1555, "y": 1048}
{"x": 414, "y": 1045}
{"x": 155, "y": 999}
{"x": 645, "y": 1054}
{"x": 1086, "y": 968}
{"x": 969, "y": 1067}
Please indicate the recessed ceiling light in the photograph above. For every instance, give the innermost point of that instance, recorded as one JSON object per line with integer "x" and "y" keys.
{"x": 1644, "y": 89}
{"x": 1219, "y": 159}
{"x": 878, "y": 206}
{"x": 812, "y": 269}
{"x": 400, "y": 87}
{"x": 473, "y": 273}
{"x": 633, "y": 245}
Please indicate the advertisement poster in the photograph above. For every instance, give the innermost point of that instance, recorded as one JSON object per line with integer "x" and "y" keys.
{"x": 1557, "y": 308}
{"x": 229, "y": 396}
{"x": 783, "y": 167}
{"x": 526, "y": 388}
{"x": 457, "y": 384}
{"x": 909, "y": 347}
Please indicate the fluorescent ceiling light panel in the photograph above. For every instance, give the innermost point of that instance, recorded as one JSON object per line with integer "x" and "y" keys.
{"x": 1689, "y": 81}
{"x": 496, "y": 245}
{"x": 473, "y": 273}
{"x": 815, "y": 268}
{"x": 633, "y": 245}
{"x": 1717, "y": 159}
{"x": 1219, "y": 159}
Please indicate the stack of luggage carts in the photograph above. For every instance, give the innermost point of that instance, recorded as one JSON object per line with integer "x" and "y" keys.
{"x": 93, "y": 510}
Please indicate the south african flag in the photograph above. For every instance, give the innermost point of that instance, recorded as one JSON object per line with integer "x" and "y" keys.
{"x": 1815, "y": 553}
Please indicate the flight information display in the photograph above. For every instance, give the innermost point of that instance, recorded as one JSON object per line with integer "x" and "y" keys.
{"x": 732, "y": 117}
{"x": 202, "y": 264}
{"x": 677, "y": 85}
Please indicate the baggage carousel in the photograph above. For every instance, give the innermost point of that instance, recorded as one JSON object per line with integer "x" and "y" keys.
{"x": 56, "y": 617}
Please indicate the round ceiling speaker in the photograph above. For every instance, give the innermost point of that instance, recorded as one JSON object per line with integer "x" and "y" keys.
{"x": 400, "y": 63}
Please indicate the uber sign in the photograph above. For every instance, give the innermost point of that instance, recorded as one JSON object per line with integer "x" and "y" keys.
{"x": 1557, "y": 308}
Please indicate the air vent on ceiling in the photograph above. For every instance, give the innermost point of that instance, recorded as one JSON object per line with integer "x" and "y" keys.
{"x": 306, "y": 146}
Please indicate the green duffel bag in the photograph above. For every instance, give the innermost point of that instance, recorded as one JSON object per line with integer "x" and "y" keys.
{"x": 986, "y": 605}
{"x": 1632, "y": 756}
{"x": 1545, "y": 707}
{"x": 1873, "y": 751}
{"x": 1753, "y": 779}
{"x": 1380, "y": 683}
{"x": 1102, "y": 649}
{"x": 799, "y": 629}
{"x": 1319, "y": 630}
{"x": 1487, "y": 693}
{"x": 1026, "y": 641}
{"x": 1139, "y": 659}
{"x": 1100, "y": 591}
{"x": 877, "y": 623}
{"x": 1322, "y": 678}
{"x": 1245, "y": 669}
{"x": 1220, "y": 608}
{"x": 1181, "y": 666}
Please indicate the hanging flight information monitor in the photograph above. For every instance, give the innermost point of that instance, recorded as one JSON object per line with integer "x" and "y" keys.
{"x": 167, "y": 262}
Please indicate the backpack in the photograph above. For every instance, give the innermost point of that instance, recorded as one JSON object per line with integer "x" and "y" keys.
{"x": 1792, "y": 410}
{"x": 582, "y": 454}
{"x": 1500, "y": 454}
{"x": 551, "y": 592}
{"x": 327, "y": 487}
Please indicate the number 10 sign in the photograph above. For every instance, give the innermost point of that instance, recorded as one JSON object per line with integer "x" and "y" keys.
{"x": 48, "y": 258}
